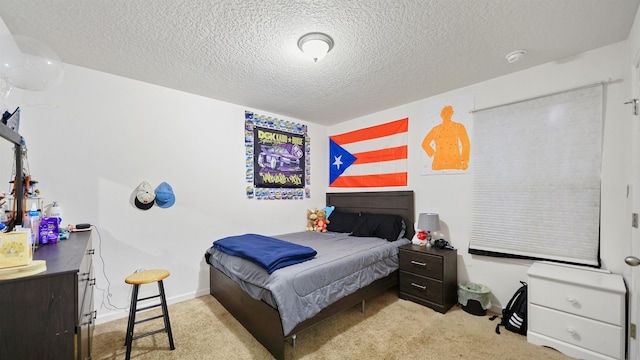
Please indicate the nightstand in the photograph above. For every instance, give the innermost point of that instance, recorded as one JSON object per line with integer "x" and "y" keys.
{"x": 579, "y": 311}
{"x": 428, "y": 276}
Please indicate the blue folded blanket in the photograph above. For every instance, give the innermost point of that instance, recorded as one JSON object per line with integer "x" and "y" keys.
{"x": 270, "y": 253}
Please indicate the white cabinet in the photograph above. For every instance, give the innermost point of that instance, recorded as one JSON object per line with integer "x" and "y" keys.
{"x": 576, "y": 310}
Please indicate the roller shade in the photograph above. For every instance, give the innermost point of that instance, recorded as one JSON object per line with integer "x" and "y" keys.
{"x": 536, "y": 178}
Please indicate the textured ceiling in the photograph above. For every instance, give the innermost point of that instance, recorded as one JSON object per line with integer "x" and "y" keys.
{"x": 387, "y": 52}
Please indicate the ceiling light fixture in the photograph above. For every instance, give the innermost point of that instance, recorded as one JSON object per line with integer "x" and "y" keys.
{"x": 515, "y": 56}
{"x": 315, "y": 45}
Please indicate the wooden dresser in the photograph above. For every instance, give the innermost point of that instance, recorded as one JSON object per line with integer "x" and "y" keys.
{"x": 50, "y": 315}
{"x": 429, "y": 276}
{"x": 578, "y": 311}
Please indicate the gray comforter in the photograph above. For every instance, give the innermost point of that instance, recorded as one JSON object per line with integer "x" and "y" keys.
{"x": 343, "y": 265}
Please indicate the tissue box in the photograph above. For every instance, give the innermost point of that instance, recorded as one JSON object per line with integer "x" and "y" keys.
{"x": 15, "y": 249}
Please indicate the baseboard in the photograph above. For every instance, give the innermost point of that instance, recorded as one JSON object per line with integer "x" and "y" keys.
{"x": 119, "y": 314}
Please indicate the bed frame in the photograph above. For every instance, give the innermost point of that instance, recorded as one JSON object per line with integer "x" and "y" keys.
{"x": 263, "y": 321}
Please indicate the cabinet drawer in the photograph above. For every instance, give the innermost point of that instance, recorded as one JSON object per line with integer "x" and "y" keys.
{"x": 85, "y": 327}
{"x": 87, "y": 259}
{"x": 86, "y": 278}
{"x": 86, "y": 313}
{"x": 421, "y": 286}
{"x": 85, "y": 295}
{"x": 421, "y": 264}
{"x": 597, "y": 336}
{"x": 578, "y": 299}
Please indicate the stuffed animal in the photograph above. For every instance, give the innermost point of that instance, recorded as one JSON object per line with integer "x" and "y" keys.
{"x": 322, "y": 221}
{"x": 312, "y": 216}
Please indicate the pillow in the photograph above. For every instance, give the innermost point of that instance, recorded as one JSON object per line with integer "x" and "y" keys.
{"x": 341, "y": 221}
{"x": 384, "y": 226}
{"x": 403, "y": 230}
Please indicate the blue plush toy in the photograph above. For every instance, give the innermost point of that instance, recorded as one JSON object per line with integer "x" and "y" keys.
{"x": 329, "y": 210}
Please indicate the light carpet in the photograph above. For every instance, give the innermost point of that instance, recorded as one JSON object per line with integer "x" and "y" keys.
{"x": 390, "y": 328}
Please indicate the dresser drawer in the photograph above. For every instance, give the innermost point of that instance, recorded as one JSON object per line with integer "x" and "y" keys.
{"x": 422, "y": 287}
{"x": 597, "y": 336}
{"x": 421, "y": 264}
{"x": 579, "y": 299}
{"x": 86, "y": 325}
{"x": 85, "y": 294}
{"x": 86, "y": 277}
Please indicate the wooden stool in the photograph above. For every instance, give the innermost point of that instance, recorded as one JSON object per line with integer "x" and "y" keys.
{"x": 137, "y": 279}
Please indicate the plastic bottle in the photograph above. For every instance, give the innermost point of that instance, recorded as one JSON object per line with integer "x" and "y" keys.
{"x": 33, "y": 222}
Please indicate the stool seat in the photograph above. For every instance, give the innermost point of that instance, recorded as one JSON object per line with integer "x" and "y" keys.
{"x": 147, "y": 276}
{"x": 138, "y": 279}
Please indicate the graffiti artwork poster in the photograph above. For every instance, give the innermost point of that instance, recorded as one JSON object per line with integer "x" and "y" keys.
{"x": 277, "y": 158}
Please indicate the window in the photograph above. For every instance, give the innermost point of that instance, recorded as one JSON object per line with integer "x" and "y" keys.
{"x": 536, "y": 178}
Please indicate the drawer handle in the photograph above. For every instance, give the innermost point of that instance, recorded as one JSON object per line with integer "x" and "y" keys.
{"x": 417, "y": 263}
{"x": 572, "y": 331}
{"x": 421, "y": 287}
{"x": 572, "y": 300}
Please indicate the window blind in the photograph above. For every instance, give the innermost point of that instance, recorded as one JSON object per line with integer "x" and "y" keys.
{"x": 536, "y": 178}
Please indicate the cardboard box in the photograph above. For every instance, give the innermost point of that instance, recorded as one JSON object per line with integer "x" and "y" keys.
{"x": 15, "y": 249}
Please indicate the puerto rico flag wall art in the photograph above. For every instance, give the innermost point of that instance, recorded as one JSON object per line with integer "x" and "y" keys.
{"x": 370, "y": 157}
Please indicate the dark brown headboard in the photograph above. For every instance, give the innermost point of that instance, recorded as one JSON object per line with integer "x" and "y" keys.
{"x": 377, "y": 202}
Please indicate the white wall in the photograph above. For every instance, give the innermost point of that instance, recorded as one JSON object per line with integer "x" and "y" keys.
{"x": 450, "y": 195}
{"x": 106, "y": 134}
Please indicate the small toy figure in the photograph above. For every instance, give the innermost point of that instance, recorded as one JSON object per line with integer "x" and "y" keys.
{"x": 312, "y": 216}
{"x": 321, "y": 221}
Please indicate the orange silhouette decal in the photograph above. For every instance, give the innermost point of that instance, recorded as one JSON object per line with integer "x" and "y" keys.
{"x": 451, "y": 143}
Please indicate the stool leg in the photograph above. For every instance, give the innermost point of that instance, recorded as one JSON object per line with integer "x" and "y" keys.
{"x": 165, "y": 312}
{"x": 132, "y": 320}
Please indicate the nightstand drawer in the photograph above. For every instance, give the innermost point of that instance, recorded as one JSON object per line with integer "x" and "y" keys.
{"x": 581, "y": 292}
{"x": 577, "y": 310}
{"x": 421, "y": 264}
{"x": 578, "y": 300}
{"x": 421, "y": 287}
{"x": 593, "y": 335}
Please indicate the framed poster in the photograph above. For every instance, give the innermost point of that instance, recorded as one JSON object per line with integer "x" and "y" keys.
{"x": 278, "y": 158}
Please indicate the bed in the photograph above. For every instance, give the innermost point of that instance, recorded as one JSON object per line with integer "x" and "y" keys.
{"x": 257, "y": 309}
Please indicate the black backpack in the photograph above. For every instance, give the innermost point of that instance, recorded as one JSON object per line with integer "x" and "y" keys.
{"x": 514, "y": 316}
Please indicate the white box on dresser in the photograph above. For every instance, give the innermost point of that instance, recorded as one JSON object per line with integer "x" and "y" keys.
{"x": 577, "y": 310}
